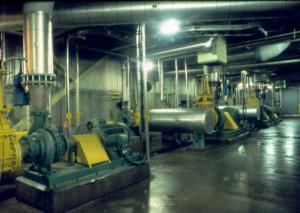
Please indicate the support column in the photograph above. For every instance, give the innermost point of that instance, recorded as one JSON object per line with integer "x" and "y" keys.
{"x": 142, "y": 82}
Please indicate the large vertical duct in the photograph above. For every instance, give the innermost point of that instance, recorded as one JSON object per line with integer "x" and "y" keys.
{"x": 38, "y": 49}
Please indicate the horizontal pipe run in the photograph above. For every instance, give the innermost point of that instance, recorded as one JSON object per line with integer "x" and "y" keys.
{"x": 74, "y": 14}
{"x": 181, "y": 120}
{"x": 233, "y": 68}
{"x": 252, "y": 112}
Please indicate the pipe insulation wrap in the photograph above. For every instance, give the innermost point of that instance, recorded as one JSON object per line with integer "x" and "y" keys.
{"x": 181, "y": 120}
{"x": 252, "y": 112}
{"x": 74, "y": 14}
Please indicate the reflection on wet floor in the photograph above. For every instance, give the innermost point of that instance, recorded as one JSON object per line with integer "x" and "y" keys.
{"x": 260, "y": 174}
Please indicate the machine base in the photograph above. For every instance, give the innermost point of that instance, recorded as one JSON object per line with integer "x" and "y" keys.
{"x": 228, "y": 136}
{"x": 60, "y": 199}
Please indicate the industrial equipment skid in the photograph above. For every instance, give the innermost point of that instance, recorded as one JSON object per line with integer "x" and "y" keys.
{"x": 70, "y": 186}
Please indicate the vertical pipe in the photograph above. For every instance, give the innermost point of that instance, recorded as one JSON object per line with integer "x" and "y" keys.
{"x": 145, "y": 100}
{"x": 176, "y": 84}
{"x": 67, "y": 85}
{"x": 124, "y": 81}
{"x": 50, "y": 57}
{"x": 138, "y": 71}
{"x": 3, "y": 49}
{"x": 162, "y": 82}
{"x": 3, "y": 55}
{"x": 141, "y": 59}
{"x": 77, "y": 88}
{"x": 159, "y": 77}
{"x": 128, "y": 82}
{"x": 186, "y": 85}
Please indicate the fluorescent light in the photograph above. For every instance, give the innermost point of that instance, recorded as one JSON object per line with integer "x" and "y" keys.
{"x": 169, "y": 27}
{"x": 148, "y": 66}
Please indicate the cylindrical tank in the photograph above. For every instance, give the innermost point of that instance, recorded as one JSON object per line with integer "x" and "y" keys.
{"x": 38, "y": 53}
{"x": 181, "y": 120}
{"x": 252, "y": 112}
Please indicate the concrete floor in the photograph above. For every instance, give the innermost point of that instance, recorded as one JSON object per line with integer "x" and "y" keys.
{"x": 260, "y": 174}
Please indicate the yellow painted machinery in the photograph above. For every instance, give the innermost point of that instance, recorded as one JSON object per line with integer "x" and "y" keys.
{"x": 267, "y": 115}
{"x": 223, "y": 121}
{"x": 227, "y": 121}
{"x": 10, "y": 152}
{"x": 92, "y": 164}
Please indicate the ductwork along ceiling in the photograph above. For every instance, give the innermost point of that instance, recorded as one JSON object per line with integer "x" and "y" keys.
{"x": 114, "y": 23}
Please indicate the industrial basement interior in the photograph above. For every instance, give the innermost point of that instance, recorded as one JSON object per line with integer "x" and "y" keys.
{"x": 149, "y": 106}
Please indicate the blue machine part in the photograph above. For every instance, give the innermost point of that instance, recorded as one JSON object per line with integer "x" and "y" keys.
{"x": 20, "y": 95}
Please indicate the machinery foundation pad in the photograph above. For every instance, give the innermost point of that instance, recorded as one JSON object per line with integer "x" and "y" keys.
{"x": 69, "y": 197}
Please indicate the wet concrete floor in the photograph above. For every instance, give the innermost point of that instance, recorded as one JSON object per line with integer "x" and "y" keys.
{"x": 259, "y": 174}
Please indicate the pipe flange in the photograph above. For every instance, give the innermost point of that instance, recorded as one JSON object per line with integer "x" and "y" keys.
{"x": 39, "y": 79}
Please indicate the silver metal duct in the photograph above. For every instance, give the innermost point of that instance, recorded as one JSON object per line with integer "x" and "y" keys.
{"x": 260, "y": 65}
{"x": 183, "y": 50}
{"x": 252, "y": 112}
{"x": 74, "y": 14}
{"x": 37, "y": 42}
{"x": 268, "y": 51}
{"x": 36, "y": 37}
{"x": 261, "y": 53}
{"x": 181, "y": 120}
{"x": 220, "y": 27}
{"x": 239, "y": 67}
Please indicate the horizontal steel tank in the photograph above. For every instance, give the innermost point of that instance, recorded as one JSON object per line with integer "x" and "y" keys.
{"x": 252, "y": 112}
{"x": 181, "y": 120}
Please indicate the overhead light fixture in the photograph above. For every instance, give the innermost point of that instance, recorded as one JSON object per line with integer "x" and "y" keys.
{"x": 170, "y": 27}
{"x": 148, "y": 66}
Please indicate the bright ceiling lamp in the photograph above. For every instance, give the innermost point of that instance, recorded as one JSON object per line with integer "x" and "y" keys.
{"x": 148, "y": 66}
{"x": 170, "y": 27}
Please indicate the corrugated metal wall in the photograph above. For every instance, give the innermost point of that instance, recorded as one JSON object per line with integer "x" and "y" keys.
{"x": 169, "y": 85}
{"x": 106, "y": 75}
{"x": 100, "y": 89}
{"x": 290, "y": 100}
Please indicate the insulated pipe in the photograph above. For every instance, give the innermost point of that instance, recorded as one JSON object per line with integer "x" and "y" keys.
{"x": 38, "y": 62}
{"x": 181, "y": 120}
{"x": 142, "y": 85}
{"x": 183, "y": 50}
{"x": 37, "y": 41}
{"x": 238, "y": 67}
{"x": 128, "y": 82}
{"x": 260, "y": 65}
{"x": 162, "y": 82}
{"x": 186, "y": 84}
{"x": 69, "y": 14}
{"x": 252, "y": 112}
{"x": 67, "y": 83}
{"x": 176, "y": 84}
{"x": 77, "y": 91}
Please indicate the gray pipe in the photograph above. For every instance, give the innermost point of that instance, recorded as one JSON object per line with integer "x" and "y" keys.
{"x": 181, "y": 120}
{"x": 74, "y": 14}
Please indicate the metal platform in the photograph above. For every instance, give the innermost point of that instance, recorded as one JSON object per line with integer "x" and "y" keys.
{"x": 60, "y": 199}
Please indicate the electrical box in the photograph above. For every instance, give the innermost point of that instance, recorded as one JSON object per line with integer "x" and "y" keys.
{"x": 217, "y": 54}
